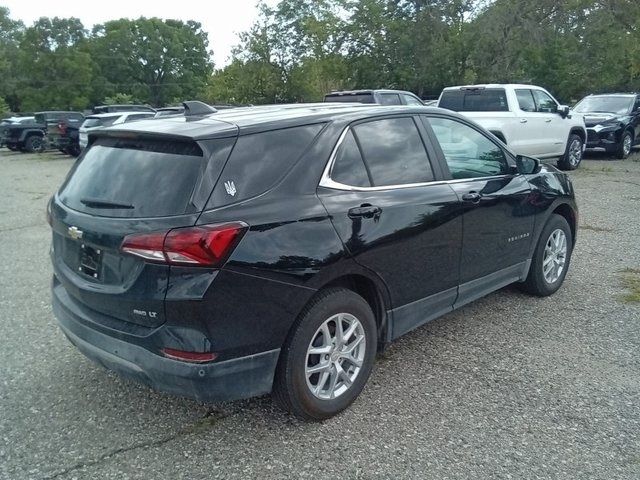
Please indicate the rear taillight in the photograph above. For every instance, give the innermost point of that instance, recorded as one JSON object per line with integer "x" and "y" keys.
{"x": 204, "y": 245}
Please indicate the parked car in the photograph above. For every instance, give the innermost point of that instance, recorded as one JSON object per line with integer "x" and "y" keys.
{"x": 382, "y": 97}
{"x": 6, "y": 122}
{"x": 278, "y": 249}
{"x": 122, "y": 108}
{"x": 30, "y": 137}
{"x": 613, "y": 122}
{"x": 62, "y": 131}
{"x": 102, "y": 120}
{"x": 525, "y": 117}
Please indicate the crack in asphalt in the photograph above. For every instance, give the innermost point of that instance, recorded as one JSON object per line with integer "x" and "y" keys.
{"x": 207, "y": 421}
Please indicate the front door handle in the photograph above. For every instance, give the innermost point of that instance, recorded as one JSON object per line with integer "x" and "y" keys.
{"x": 365, "y": 210}
{"x": 548, "y": 120}
{"x": 471, "y": 197}
{"x": 523, "y": 120}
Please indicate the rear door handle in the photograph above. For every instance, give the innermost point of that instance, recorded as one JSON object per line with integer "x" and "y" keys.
{"x": 471, "y": 197}
{"x": 523, "y": 120}
{"x": 365, "y": 210}
{"x": 548, "y": 120}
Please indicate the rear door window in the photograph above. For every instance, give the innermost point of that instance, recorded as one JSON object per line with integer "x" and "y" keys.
{"x": 525, "y": 100}
{"x": 259, "y": 161}
{"x": 393, "y": 151}
{"x": 134, "y": 178}
{"x": 475, "y": 100}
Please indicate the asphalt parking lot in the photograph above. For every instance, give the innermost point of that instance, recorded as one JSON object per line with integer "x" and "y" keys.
{"x": 508, "y": 387}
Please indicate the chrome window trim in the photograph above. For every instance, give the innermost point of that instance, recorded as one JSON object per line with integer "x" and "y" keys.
{"x": 327, "y": 182}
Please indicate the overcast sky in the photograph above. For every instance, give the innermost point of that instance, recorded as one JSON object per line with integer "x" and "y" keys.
{"x": 222, "y": 20}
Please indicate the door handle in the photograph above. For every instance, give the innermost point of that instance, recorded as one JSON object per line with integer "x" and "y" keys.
{"x": 523, "y": 120}
{"x": 365, "y": 210}
{"x": 548, "y": 120}
{"x": 471, "y": 197}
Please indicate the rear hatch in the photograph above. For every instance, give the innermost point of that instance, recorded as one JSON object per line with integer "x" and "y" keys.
{"x": 122, "y": 186}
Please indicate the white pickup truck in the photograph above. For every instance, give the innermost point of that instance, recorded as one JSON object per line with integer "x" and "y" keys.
{"x": 525, "y": 117}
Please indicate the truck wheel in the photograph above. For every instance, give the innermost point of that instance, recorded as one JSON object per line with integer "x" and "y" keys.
{"x": 34, "y": 144}
{"x": 624, "y": 149}
{"x": 573, "y": 154}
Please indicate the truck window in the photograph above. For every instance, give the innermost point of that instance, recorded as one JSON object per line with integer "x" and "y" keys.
{"x": 475, "y": 100}
{"x": 545, "y": 103}
{"x": 525, "y": 100}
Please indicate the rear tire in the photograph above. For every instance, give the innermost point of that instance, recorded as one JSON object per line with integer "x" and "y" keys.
{"x": 551, "y": 258}
{"x": 337, "y": 374}
{"x": 624, "y": 149}
{"x": 573, "y": 153}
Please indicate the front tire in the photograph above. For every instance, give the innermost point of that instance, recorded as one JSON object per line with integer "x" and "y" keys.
{"x": 624, "y": 149}
{"x": 34, "y": 144}
{"x": 551, "y": 258}
{"x": 573, "y": 153}
{"x": 328, "y": 356}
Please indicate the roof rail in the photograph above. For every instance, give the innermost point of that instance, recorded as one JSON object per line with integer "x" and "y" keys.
{"x": 195, "y": 107}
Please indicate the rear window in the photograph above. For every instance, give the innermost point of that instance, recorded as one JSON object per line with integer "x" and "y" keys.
{"x": 259, "y": 161}
{"x": 134, "y": 178}
{"x": 99, "y": 122}
{"x": 475, "y": 100}
{"x": 358, "y": 98}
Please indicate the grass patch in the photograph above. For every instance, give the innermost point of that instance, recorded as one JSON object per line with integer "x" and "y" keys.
{"x": 595, "y": 229}
{"x": 631, "y": 282}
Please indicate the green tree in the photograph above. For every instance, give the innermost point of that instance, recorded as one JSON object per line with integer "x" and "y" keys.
{"x": 10, "y": 34}
{"x": 152, "y": 59}
{"x": 55, "y": 68}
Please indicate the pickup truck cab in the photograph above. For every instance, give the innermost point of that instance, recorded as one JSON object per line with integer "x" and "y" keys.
{"x": 525, "y": 117}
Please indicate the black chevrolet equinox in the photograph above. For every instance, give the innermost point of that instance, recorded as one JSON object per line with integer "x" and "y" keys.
{"x": 277, "y": 249}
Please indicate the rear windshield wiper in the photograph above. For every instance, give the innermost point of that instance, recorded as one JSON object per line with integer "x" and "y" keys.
{"x": 97, "y": 203}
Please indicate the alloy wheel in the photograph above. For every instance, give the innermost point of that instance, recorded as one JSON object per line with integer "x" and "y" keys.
{"x": 575, "y": 152}
{"x": 626, "y": 145}
{"x": 335, "y": 356}
{"x": 555, "y": 256}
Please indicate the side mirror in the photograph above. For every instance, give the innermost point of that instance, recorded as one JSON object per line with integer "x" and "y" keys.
{"x": 564, "y": 110}
{"x": 527, "y": 165}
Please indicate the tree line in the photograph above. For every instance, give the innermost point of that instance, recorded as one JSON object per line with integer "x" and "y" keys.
{"x": 300, "y": 49}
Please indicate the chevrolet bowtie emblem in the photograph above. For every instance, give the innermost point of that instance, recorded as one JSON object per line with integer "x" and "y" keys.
{"x": 74, "y": 232}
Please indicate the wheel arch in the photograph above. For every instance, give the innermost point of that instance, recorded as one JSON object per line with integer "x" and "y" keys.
{"x": 374, "y": 293}
{"x": 570, "y": 215}
{"x": 580, "y": 132}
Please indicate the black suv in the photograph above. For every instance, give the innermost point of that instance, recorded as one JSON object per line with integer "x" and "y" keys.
{"x": 612, "y": 121}
{"x": 279, "y": 248}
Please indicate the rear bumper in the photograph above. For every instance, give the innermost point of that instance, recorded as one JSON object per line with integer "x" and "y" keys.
{"x": 233, "y": 379}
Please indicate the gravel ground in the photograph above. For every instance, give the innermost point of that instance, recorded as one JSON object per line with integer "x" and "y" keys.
{"x": 508, "y": 387}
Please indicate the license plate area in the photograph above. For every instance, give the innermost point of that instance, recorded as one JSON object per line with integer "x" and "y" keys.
{"x": 90, "y": 261}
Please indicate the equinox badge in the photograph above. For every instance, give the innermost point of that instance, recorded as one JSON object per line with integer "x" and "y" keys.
{"x": 74, "y": 232}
